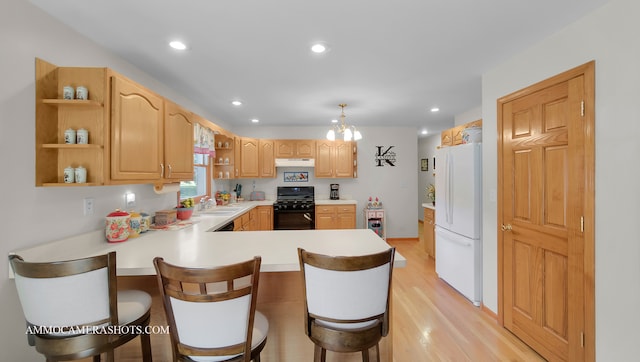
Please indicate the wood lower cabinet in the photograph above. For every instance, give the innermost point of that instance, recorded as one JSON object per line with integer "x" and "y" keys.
{"x": 336, "y": 159}
{"x": 242, "y": 222}
{"x": 265, "y": 217}
{"x": 295, "y": 148}
{"x": 429, "y": 231}
{"x": 335, "y": 217}
{"x": 254, "y": 219}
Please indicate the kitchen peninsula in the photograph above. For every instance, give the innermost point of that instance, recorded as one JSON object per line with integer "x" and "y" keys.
{"x": 280, "y": 294}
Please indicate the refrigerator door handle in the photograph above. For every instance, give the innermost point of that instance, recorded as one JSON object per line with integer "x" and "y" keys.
{"x": 460, "y": 242}
{"x": 449, "y": 196}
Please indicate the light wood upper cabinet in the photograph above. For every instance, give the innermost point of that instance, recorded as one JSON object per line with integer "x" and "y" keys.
{"x": 224, "y": 163}
{"x": 335, "y": 159}
{"x": 453, "y": 136}
{"x": 446, "y": 137}
{"x": 136, "y": 132}
{"x": 457, "y": 134}
{"x": 295, "y": 148}
{"x": 248, "y": 162}
{"x": 54, "y": 115}
{"x": 178, "y": 143}
{"x": 267, "y": 160}
{"x": 344, "y": 159}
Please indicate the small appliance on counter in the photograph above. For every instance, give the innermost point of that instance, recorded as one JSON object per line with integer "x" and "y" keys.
{"x": 257, "y": 196}
{"x": 334, "y": 194}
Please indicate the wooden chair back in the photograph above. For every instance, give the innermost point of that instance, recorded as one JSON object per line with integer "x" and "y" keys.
{"x": 210, "y": 311}
{"x": 346, "y": 297}
{"x": 62, "y": 299}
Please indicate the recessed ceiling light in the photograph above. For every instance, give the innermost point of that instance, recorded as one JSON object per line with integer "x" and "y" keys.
{"x": 334, "y": 121}
{"x": 178, "y": 45}
{"x": 435, "y": 109}
{"x": 236, "y": 103}
{"x": 318, "y": 48}
{"x": 424, "y": 131}
{"x": 255, "y": 120}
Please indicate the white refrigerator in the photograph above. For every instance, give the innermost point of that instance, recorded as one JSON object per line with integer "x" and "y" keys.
{"x": 459, "y": 218}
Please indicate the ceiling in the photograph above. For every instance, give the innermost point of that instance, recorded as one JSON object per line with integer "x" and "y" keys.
{"x": 390, "y": 61}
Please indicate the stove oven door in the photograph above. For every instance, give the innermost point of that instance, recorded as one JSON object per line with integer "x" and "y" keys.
{"x": 294, "y": 220}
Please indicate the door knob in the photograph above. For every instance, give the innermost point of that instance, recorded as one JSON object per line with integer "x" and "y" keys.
{"x": 506, "y": 227}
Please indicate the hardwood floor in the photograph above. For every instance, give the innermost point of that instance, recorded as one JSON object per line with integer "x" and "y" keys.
{"x": 431, "y": 322}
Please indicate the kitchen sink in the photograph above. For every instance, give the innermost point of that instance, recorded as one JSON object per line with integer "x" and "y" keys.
{"x": 222, "y": 210}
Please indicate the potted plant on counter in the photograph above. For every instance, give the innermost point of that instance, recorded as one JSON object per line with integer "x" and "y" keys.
{"x": 185, "y": 209}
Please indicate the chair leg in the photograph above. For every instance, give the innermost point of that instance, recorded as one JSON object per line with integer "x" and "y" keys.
{"x": 319, "y": 354}
{"x": 365, "y": 355}
{"x": 96, "y": 358}
{"x": 145, "y": 341}
{"x": 110, "y": 356}
{"x": 257, "y": 358}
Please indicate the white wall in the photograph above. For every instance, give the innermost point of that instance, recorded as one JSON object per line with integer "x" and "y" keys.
{"x": 395, "y": 186}
{"x": 609, "y": 36}
{"x": 34, "y": 215}
{"x": 426, "y": 149}
{"x": 468, "y": 116}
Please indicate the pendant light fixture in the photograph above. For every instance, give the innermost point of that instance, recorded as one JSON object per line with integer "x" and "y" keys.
{"x": 348, "y": 132}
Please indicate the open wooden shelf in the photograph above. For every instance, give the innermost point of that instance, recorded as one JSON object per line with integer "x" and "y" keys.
{"x": 72, "y": 102}
{"x": 70, "y": 146}
{"x": 64, "y": 184}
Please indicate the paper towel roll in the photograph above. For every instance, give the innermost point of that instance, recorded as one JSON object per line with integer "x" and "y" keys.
{"x": 166, "y": 188}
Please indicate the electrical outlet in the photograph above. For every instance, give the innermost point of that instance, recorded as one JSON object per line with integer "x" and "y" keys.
{"x": 88, "y": 206}
{"x": 129, "y": 200}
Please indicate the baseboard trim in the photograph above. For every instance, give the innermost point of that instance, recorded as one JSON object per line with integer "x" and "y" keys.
{"x": 489, "y": 312}
{"x": 395, "y": 240}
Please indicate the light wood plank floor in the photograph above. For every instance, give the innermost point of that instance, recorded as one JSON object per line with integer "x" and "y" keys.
{"x": 431, "y": 322}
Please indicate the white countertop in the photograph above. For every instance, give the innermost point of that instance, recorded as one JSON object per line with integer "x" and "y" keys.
{"x": 429, "y": 205}
{"x": 335, "y": 202}
{"x": 195, "y": 246}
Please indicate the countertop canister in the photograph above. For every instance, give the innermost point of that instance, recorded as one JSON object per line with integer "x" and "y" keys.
{"x": 136, "y": 224}
{"x": 145, "y": 222}
{"x": 117, "y": 226}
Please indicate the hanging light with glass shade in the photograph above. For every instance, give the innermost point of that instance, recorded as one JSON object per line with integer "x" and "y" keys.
{"x": 348, "y": 132}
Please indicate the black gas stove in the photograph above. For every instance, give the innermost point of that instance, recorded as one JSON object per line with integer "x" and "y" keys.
{"x": 294, "y": 208}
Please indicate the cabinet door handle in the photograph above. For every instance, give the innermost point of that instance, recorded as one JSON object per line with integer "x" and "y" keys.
{"x": 170, "y": 170}
{"x": 162, "y": 170}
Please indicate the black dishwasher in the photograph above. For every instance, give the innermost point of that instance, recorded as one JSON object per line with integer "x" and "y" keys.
{"x": 227, "y": 227}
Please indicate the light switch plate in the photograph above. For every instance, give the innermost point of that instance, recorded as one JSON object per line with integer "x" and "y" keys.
{"x": 129, "y": 200}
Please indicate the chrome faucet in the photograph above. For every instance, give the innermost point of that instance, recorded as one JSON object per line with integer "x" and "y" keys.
{"x": 204, "y": 202}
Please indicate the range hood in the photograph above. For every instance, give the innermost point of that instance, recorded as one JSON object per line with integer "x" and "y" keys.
{"x": 295, "y": 162}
